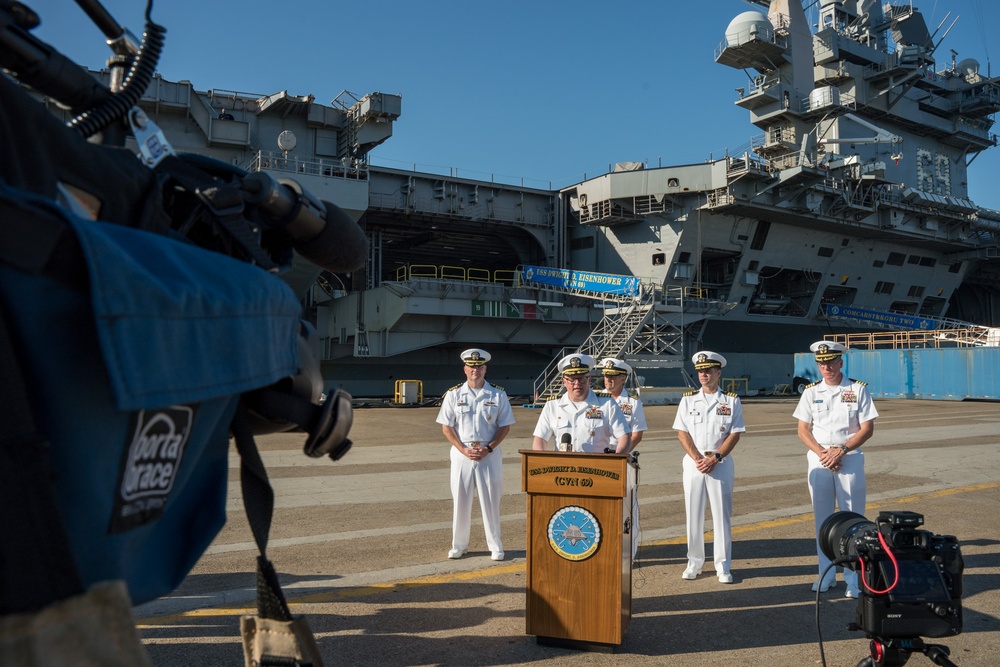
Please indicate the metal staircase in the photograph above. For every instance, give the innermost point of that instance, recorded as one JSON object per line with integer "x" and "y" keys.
{"x": 646, "y": 330}
{"x": 608, "y": 339}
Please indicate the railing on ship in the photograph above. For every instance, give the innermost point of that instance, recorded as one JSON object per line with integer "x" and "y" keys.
{"x": 507, "y": 277}
{"x": 293, "y": 164}
{"x": 666, "y": 294}
{"x": 918, "y": 338}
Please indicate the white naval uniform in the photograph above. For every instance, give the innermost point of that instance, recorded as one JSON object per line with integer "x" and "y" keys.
{"x": 709, "y": 419}
{"x": 836, "y": 413}
{"x": 631, "y": 407}
{"x": 597, "y": 423}
{"x": 476, "y": 415}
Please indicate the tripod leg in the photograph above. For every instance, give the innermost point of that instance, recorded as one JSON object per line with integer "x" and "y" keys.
{"x": 939, "y": 655}
{"x": 866, "y": 662}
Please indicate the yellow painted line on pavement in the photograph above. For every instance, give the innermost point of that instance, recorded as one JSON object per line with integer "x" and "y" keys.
{"x": 337, "y": 595}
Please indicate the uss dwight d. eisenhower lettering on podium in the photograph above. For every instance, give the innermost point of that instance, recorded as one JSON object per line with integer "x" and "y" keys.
{"x": 574, "y": 533}
{"x": 584, "y": 478}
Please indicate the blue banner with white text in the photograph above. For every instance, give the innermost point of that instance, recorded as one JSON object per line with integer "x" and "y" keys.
{"x": 881, "y": 317}
{"x": 602, "y": 283}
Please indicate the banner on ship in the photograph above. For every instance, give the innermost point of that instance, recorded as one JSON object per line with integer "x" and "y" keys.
{"x": 880, "y": 317}
{"x": 589, "y": 281}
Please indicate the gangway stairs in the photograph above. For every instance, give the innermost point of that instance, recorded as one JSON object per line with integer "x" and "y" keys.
{"x": 645, "y": 330}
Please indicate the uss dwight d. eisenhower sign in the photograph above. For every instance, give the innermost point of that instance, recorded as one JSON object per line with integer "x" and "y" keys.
{"x": 559, "y": 473}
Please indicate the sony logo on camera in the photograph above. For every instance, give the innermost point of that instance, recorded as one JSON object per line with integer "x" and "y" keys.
{"x": 912, "y": 583}
{"x": 150, "y": 464}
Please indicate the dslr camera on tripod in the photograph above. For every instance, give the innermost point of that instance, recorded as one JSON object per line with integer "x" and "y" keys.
{"x": 911, "y": 583}
{"x": 912, "y": 578}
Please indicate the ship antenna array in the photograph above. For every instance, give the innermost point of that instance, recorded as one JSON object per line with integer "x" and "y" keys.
{"x": 934, "y": 48}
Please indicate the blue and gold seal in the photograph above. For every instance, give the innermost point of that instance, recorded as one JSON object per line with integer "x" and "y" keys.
{"x": 574, "y": 533}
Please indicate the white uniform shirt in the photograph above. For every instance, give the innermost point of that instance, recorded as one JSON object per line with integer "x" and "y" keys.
{"x": 835, "y": 412}
{"x": 632, "y": 410}
{"x": 709, "y": 418}
{"x": 475, "y": 414}
{"x": 596, "y": 424}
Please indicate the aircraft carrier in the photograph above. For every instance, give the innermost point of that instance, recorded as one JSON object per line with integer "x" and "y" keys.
{"x": 850, "y": 211}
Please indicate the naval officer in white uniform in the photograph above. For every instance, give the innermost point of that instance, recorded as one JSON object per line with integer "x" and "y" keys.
{"x": 578, "y": 420}
{"x": 616, "y": 372}
{"x": 475, "y": 417}
{"x": 708, "y": 424}
{"x": 835, "y": 417}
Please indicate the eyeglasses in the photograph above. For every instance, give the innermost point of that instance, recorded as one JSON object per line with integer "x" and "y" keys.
{"x": 577, "y": 380}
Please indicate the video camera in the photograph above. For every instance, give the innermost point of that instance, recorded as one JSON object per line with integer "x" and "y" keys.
{"x": 251, "y": 216}
{"x": 911, "y": 579}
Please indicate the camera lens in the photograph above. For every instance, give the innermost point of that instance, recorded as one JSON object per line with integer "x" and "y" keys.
{"x": 836, "y": 535}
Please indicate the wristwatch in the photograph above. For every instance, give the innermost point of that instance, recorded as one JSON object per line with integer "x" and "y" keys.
{"x": 843, "y": 448}
{"x": 718, "y": 456}
{"x": 489, "y": 449}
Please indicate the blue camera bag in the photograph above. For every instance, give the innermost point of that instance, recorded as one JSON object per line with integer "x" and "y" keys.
{"x": 134, "y": 348}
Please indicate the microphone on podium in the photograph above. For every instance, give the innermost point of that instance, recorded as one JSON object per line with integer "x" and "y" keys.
{"x": 566, "y": 443}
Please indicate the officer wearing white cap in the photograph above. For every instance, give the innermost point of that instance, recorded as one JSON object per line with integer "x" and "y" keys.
{"x": 475, "y": 417}
{"x": 835, "y": 417}
{"x": 709, "y": 424}
{"x": 616, "y": 372}
{"x": 579, "y": 420}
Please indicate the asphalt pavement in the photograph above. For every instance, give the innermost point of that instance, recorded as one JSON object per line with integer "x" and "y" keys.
{"x": 361, "y": 545}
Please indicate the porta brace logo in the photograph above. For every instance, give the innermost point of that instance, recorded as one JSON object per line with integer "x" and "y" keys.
{"x": 150, "y": 464}
{"x": 156, "y": 451}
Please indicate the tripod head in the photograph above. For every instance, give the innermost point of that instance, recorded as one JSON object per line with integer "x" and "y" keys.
{"x": 895, "y": 652}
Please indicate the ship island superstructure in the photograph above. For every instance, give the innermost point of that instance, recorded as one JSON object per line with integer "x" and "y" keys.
{"x": 850, "y": 211}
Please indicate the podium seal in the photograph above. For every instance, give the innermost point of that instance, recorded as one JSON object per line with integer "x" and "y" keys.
{"x": 574, "y": 533}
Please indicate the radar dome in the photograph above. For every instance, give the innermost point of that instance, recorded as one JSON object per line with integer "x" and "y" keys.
{"x": 748, "y": 26}
{"x": 968, "y": 68}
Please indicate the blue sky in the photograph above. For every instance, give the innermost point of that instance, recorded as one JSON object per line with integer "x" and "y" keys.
{"x": 548, "y": 91}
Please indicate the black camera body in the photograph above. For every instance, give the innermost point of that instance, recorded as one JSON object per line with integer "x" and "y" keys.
{"x": 924, "y": 599}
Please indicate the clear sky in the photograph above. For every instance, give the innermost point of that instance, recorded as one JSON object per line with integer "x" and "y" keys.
{"x": 548, "y": 91}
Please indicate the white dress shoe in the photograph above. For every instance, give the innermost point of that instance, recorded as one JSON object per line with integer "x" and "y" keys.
{"x": 852, "y": 592}
{"x": 497, "y": 555}
{"x": 824, "y": 586}
{"x": 457, "y": 553}
{"x": 690, "y": 573}
{"x": 725, "y": 578}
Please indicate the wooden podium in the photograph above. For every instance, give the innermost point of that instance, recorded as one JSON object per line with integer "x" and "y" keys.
{"x": 579, "y": 547}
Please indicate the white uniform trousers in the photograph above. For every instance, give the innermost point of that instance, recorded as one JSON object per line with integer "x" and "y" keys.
{"x": 844, "y": 489}
{"x": 484, "y": 477}
{"x": 717, "y": 488}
